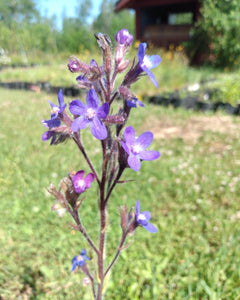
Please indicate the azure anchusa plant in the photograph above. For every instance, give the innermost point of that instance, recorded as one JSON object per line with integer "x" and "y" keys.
{"x": 120, "y": 146}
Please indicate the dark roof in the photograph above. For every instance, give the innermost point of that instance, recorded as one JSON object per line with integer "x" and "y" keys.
{"x": 121, "y": 4}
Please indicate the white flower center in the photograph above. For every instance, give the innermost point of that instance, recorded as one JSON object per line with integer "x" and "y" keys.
{"x": 80, "y": 183}
{"x": 141, "y": 217}
{"x": 80, "y": 258}
{"x": 136, "y": 149}
{"x": 147, "y": 62}
{"x": 91, "y": 113}
{"x": 55, "y": 110}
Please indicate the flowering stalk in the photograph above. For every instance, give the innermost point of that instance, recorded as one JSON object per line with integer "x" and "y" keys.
{"x": 120, "y": 150}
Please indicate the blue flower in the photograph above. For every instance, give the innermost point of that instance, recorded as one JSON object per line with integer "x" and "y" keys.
{"x": 55, "y": 112}
{"x": 133, "y": 102}
{"x": 148, "y": 62}
{"x": 143, "y": 218}
{"x": 90, "y": 115}
{"x": 136, "y": 148}
{"x": 79, "y": 260}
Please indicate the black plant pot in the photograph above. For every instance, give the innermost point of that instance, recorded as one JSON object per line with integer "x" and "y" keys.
{"x": 189, "y": 103}
{"x": 176, "y": 102}
{"x": 205, "y": 106}
{"x": 231, "y": 110}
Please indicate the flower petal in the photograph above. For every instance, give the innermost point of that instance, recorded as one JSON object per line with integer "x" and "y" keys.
{"x": 98, "y": 129}
{"x": 142, "y": 222}
{"x": 155, "y": 61}
{"x": 83, "y": 252}
{"x": 52, "y": 104}
{"x": 80, "y": 123}
{"x": 149, "y": 155}
{"x": 85, "y": 257}
{"x": 129, "y": 135}
{"x": 134, "y": 162}
{"x": 74, "y": 265}
{"x": 51, "y": 123}
{"x": 137, "y": 207}
{"x": 103, "y": 111}
{"x": 145, "y": 139}
{"x": 147, "y": 215}
{"x": 92, "y": 99}
{"x": 150, "y": 227}
{"x": 77, "y": 176}
{"x": 125, "y": 147}
{"x": 150, "y": 75}
{"x": 77, "y": 107}
{"x": 141, "y": 51}
{"x": 88, "y": 180}
{"x": 131, "y": 103}
{"x": 47, "y": 135}
{"x": 62, "y": 105}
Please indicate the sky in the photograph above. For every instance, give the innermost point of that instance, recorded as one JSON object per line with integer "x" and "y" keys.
{"x": 49, "y": 8}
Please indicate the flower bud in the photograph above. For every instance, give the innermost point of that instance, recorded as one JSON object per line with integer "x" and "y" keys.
{"x": 124, "y": 217}
{"x": 76, "y": 66}
{"x": 105, "y": 44}
{"x": 123, "y": 37}
{"x": 123, "y": 66}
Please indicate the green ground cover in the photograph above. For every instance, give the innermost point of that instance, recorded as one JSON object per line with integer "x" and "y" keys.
{"x": 173, "y": 74}
{"x": 193, "y": 192}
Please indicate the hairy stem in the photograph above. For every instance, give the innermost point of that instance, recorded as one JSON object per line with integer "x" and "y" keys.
{"x": 117, "y": 253}
{"x": 82, "y": 230}
{"x": 102, "y": 233}
{"x": 81, "y": 148}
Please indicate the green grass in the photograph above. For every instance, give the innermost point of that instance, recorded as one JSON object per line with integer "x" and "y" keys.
{"x": 172, "y": 74}
{"x": 193, "y": 192}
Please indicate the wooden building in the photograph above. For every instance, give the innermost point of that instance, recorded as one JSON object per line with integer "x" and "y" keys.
{"x": 162, "y": 22}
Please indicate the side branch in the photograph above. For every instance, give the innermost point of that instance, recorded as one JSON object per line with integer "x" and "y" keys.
{"x": 117, "y": 253}
{"x": 81, "y": 148}
{"x": 82, "y": 230}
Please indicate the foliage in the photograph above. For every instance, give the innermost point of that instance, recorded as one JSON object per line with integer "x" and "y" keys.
{"x": 18, "y": 11}
{"x": 31, "y": 33}
{"x": 195, "y": 255}
{"x": 217, "y": 34}
{"x": 109, "y": 22}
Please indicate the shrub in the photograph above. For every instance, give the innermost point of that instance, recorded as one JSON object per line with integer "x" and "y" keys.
{"x": 216, "y": 35}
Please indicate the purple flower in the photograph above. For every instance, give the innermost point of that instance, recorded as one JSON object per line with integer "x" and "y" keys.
{"x": 143, "y": 219}
{"x": 80, "y": 184}
{"x": 49, "y": 135}
{"x": 136, "y": 148}
{"x": 148, "y": 62}
{"x": 56, "y": 137}
{"x": 55, "y": 112}
{"x": 79, "y": 260}
{"x": 123, "y": 37}
{"x": 133, "y": 101}
{"x": 90, "y": 115}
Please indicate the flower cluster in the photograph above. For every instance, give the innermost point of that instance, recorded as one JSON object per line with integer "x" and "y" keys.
{"x": 121, "y": 148}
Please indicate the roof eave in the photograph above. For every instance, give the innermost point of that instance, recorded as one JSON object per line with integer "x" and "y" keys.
{"x": 122, "y": 4}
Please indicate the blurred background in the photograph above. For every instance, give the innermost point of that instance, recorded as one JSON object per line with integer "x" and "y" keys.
{"x": 192, "y": 191}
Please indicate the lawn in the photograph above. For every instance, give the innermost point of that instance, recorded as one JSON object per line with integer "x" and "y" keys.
{"x": 173, "y": 73}
{"x": 193, "y": 192}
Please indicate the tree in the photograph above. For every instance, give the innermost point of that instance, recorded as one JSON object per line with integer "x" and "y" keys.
{"x": 18, "y": 11}
{"x": 110, "y": 22}
{"x": 217, "y": 33}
